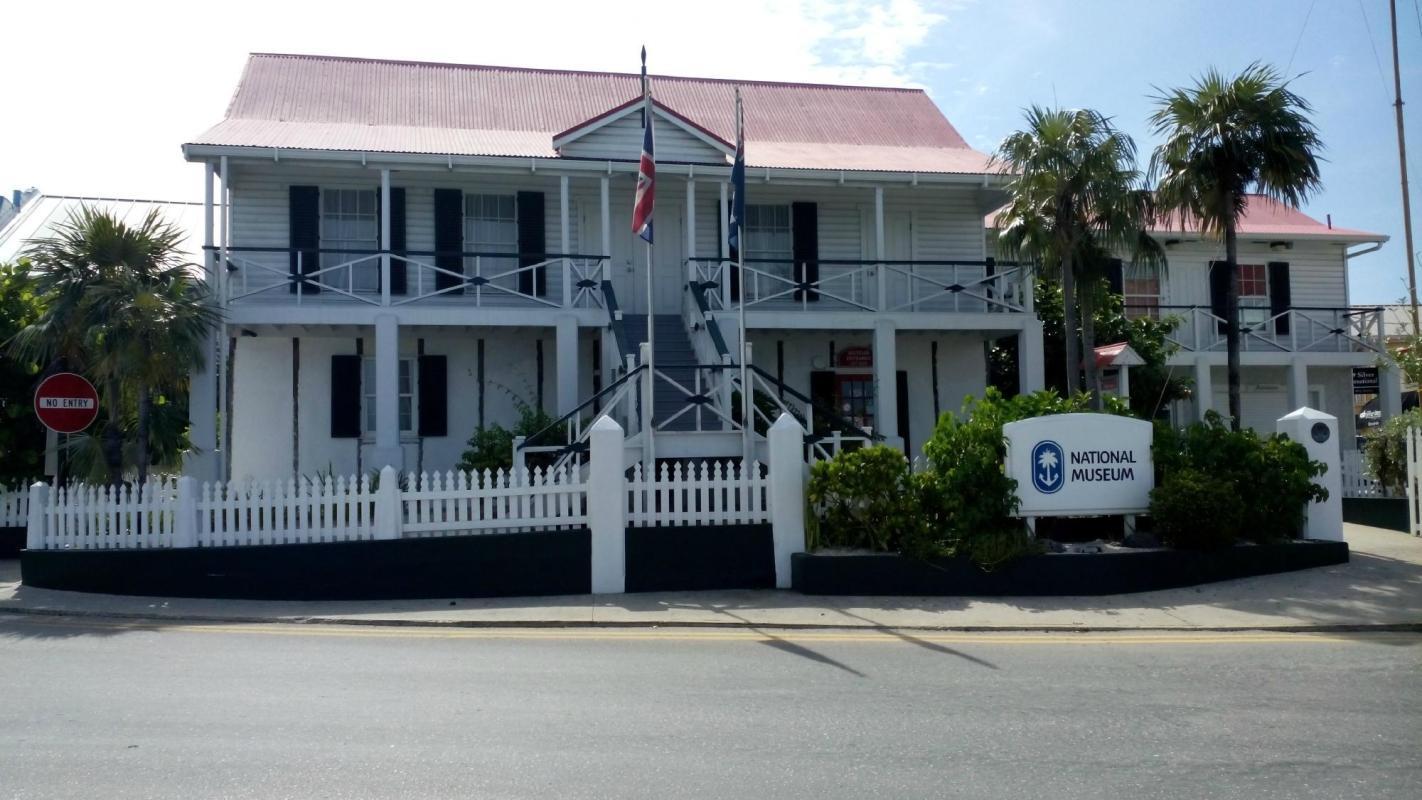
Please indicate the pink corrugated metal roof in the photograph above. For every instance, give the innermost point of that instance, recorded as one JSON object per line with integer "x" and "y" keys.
{"x": 1262, "y": 217}
{"x": 395, "y": 106}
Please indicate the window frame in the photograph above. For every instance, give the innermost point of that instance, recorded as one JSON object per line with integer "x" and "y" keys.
{"x": 409, "y": 366}
{"x": 471, "y": 219}
{"x": 1142, "y": 304}
{"x": 867, "y": 414}
{"x": 755, "y": 228}
{"x": 366, "y": 277}
{"x": 1254, "y": 309}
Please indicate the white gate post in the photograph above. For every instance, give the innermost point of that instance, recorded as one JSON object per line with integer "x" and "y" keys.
{"x": 1410, "y": 487}
{"x": 1318, "y": 433}
{"x": 37, "y": 516}
{"x": 387, "y": 504}
{"x": 185, "y": 519}
{"x": 607, "y": 506}
{"x": 787, "y": 494}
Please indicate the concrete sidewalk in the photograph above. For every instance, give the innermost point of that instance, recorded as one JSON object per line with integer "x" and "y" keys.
{"x": 1380, "y": 586}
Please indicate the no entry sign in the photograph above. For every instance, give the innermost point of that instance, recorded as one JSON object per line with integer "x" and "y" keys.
{"x": 66, "y": 403}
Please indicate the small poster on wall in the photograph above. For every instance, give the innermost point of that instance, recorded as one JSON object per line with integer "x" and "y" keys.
{"x": 857, "y": 356}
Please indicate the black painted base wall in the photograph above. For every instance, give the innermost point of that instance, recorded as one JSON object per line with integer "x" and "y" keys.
{"x": 12, "y": 541}
{"x": 493, "y": 565}
{"x": 699, "y": 558}
{"x": 1379, "y": 512}
{"x": 1053, "y": 574}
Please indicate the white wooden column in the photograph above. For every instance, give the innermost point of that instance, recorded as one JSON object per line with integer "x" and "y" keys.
{"x": 606, "y": 232}
{"x": 565, "y": 239}
{"x": 387, "y": 394}
{"x": 1204, "y": 388}
{"x": 691, "y": 274}
{"x": 882, "y": 277}
{"x": 1031, "y": 361}
{"x": 886, "y": 386}
{"x": 567, "y": 347}
{"x": 725, "y": 249}
{"x": 1298, "y": 384}
{"x": 222, "y": 293}
{"x": 201, "y": 462}
{"x": 1389, "y": 390}
{"x": 385, "y": 238}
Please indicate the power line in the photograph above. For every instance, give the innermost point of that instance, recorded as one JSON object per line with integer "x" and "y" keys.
{"x": 1303, "y": 29}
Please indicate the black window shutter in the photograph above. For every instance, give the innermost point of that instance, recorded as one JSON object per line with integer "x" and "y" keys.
{"x": 304, "y": 207}
{"x": 822, "y": 393}
{"x": 901, "y": 396}
{"x": 449, "y": 236}
{"x": 345, "y": 397}
{"x": 805, "y": 244}
{"x": 397, "y": 240}
{"x": 531, "y": 244}
{"x": 1219, "y": 291}
{"x": 434, "y": 396}
{"x": 1116, "y": 276}
{"x": 989, "y": 270}
{"x": 1280, "y": 294}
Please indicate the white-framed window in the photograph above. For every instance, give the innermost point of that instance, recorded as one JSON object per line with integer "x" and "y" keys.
{"x": 350, "y": 220}
{"x": 1141, "y": 290}
{"x": 1253, "y": 294}
{"x": 405, "y": 388}
{"x": 491, "y": 226}
{"x": 767, "y": 235}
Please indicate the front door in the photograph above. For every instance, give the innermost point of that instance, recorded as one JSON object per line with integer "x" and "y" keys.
{"x": 629, "y": 260}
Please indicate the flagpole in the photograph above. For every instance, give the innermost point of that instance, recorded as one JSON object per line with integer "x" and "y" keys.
{"x": 747, "y": 391}
{"x": 649, "y": 446}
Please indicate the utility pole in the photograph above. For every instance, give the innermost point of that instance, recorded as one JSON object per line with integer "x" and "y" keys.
{"x": 1402, "y": 160}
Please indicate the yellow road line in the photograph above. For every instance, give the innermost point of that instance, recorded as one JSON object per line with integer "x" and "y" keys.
{"x": 716, "y": 635}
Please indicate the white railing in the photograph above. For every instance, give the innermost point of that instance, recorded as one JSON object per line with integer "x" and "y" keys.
{"x": 1306, "y": 330}
{"x": 82, "y": 517}
{"x": 456, "y": 503}
{"x": 301, "y": 511}
{"x": 1356, "y": 480}
{"x": 700, "y": 493}
{"x": 14, "y": 507}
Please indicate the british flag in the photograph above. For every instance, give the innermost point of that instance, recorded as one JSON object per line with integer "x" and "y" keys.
{"x": 646, "y": 179}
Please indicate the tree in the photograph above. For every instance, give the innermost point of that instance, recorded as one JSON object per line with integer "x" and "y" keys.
{"x": 121, "y": 304}
{"x": 1223, "y": 140}
{"x": 21, "y": 435}
{"x": 1075, "y": 199}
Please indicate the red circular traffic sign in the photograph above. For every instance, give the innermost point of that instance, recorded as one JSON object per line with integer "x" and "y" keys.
{"x": 66, "y": 403}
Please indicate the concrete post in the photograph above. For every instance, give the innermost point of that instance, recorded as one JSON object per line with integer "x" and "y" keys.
{"x": 385, "y": 265}
{"x": 201, "y": 461}
{"x": 886, "y": 394}
{"x": 786, "y": 443}
{"x": 185, "y": 518}
{"x": 387, "y": 504}
{"x": 649, "y": 394}
{"x": 607, "y": 507}
{"x": 1204, "y": 388}
{"x": 1318, "y": 433}
{"x": 387, "y": 393}
{"x": 567, "y": 346}
{"x": 1298, "y": 383}
{"x": 36, "y": 518}
{"x": 1031, "y": 361}
{"x": 1389, "y": 391}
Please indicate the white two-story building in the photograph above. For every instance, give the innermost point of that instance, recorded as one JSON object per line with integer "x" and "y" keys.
{"x": 1301, "y": 338}
{"x": 405, "y": 251}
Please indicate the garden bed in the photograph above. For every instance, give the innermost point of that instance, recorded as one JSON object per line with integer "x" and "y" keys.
{"x": 1116, "y": 571}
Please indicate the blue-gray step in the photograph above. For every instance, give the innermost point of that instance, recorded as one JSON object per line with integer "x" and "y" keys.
{"x": 673, "y": 357}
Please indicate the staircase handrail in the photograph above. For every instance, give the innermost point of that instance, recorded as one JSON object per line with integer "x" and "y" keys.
{"x": 604, "y": 392}
{"x": 713, "y": 328}
{"x": 829, "y": 414}
{"x": 614, "y": 321}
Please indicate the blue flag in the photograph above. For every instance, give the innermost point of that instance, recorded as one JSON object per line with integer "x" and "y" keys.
{"x": 738, "y": 184}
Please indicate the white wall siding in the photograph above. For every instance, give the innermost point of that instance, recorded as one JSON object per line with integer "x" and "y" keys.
{"x": 261, "y": 407}
{"x": 622, "y": 140}
{"x": 1317, "y": 272}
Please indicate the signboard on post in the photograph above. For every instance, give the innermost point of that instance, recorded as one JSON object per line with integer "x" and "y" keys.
{"x": 1080, "y": 464}
{"x": 1365, "y": 380}
{"x": 66, "y": 403}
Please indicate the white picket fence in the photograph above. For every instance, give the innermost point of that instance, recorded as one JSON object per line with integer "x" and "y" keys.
{"x": 1356, "y": 480}
{"x": 291, "y": 512}
{"x": 81, "y": 517}
{"x": 14, "y": 506}
{"x": 700, "y": 493}
{"x": 453, "y": 503}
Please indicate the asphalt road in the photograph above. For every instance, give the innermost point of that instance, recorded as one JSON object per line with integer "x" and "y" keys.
{"x": 127, "y": 711}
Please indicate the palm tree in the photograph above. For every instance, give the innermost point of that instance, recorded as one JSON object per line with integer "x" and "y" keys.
{"x": 123, "y": 306}
{"x": 1075, "y": 196}
{"x": 1224, "y": 139}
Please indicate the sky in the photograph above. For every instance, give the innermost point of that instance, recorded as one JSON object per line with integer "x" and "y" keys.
{"x": 97, "y": 97}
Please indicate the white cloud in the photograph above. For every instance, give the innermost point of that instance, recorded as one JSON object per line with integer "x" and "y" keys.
{"x": 103, "y": 107}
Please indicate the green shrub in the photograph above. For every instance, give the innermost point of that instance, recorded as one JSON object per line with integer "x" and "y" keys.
{"x": 1385, "y": 450}
{"x": 1268, "y": 480}
{"x": 993, "y": 549}
{"x": 491, "y": 447}
{"x": 1193, "y": 510}
{"x": 868, "y": 498}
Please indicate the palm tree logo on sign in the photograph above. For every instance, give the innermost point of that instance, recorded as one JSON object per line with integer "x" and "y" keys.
{"x": 1047, "y": 473}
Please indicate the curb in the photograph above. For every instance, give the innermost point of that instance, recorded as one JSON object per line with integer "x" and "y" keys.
{"x": 1387, "y": 627}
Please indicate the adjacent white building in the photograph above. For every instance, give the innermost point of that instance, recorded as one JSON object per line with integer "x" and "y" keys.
{"x": 403, "y": 249}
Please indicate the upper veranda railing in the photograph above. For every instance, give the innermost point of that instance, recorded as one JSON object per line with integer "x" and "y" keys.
{"x": 1297, "y": 329}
